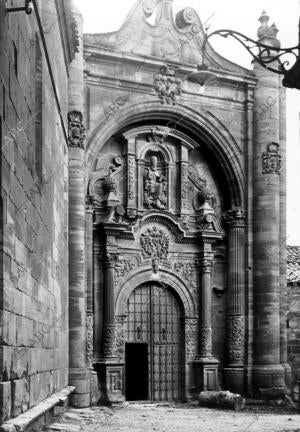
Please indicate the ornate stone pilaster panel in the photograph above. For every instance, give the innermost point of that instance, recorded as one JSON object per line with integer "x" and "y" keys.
{"x": 235, "y": 339}
{"x": 205, "y": 342}
{"x": 89, "y": 338}
{"x": 191, "y": 331}
{"x": 109, "y": 348}
{"x": 184, "y": 187}
{"x": 121, "y": 336}
{"x": 76, "y": 130}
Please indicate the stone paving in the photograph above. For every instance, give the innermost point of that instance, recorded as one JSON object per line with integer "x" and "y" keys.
{"x": 170, "y": 417}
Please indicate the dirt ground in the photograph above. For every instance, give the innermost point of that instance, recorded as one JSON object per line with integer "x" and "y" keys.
{"x": 181, "y": 418}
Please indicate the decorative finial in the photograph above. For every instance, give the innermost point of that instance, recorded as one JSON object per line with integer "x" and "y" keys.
{"x": 266, "y": 31}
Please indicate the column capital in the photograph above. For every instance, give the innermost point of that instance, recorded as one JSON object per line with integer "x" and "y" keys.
{"x": 235, "y": 218}
{"x": 76, "y": 130}
{"x": 110, "y": 259}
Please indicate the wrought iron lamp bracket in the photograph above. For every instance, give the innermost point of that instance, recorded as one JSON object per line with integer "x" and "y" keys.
{"x": 28, "y": 8}
{"x": 267, "y": 54}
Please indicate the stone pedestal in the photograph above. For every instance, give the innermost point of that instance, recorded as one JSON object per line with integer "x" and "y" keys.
{"x": 206, "y": 374}
{"x": 111, "y": 379}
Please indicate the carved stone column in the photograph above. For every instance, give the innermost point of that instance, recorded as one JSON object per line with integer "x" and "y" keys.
{"x": 131, "y": 176}
{"x": 79, "y": 373}
{"x": 268, "y": 373}
{"x": 235, "y": 328}
{"x": 206, "y": 365}
{"x": 109, "y": 368}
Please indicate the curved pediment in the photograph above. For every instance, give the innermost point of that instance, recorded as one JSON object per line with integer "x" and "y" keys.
{"x": 178, "y": 40}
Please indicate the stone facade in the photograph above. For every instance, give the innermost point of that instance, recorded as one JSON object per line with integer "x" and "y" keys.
{"x": 141, "y": 217}
{"x": 189, "y": 192}
{"x": 34, "y": 307}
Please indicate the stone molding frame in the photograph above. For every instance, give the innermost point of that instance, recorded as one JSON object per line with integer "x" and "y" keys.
{"x": 167, "y": 278}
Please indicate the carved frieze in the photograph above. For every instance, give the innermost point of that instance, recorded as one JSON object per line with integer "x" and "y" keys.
{"x": 187, "y": 270}
{"x": 271, "y": 159}
{"x": 123, "y": 266}
{"x": 89, "y": 338}
{"x": 191, "y": 325}
{"x": 167, "y": 85}
{"x": 155, "y": 187}
{"x": 76, "y": 130}
{"x": 155, "y": 243}
{"x": 235, "y": 339}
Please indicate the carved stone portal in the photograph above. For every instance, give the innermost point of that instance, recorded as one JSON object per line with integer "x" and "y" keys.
{"x": 155, "y": 190}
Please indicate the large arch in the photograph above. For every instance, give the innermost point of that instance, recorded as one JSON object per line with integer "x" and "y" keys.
{"x": 167, "y": 278}
{"x": 199, "y": 124}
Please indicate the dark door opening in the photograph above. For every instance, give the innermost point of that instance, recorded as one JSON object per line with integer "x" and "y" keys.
{"x": 136, "y": 355}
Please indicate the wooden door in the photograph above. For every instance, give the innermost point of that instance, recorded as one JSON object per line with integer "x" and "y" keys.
{"x": 154, "y": 318}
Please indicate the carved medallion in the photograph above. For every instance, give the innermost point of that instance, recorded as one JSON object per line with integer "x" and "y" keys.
{"x": 167, "y": 86}
{"x": 76, "y": 130}
{"x": 271, "y": 159}
{"x": 155, "y": 242}
{"x": 155, "y": 187}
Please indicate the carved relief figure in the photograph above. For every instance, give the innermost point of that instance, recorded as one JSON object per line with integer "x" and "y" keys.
{"x": 154, "y": 187}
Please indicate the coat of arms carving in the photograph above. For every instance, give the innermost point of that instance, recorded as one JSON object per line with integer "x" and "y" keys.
{"x": 155, "y": 243}
{"x": 167, "y": 85}
{"x": 271, "y": 159}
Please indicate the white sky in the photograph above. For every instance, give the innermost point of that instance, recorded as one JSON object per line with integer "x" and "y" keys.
{"x": 104, "y": 16}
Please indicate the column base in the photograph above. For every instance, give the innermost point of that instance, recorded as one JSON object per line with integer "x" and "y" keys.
{"x": 234, "y": 379}
{"x": 80, "y": 379}
{"x": 206, "y": 374}
{"x": 269, "y": 381}
{"x": 111, "y": 380}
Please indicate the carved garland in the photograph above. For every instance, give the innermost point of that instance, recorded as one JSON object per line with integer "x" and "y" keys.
{"x": 122, "y": 267}
{"x": 89, "y": 338}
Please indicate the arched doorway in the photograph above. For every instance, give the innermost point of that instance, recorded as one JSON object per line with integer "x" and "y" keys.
{"x": 154, "y": 345}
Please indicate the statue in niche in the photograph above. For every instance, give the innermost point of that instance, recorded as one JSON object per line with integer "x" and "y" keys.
{"x": 154, "y": 187}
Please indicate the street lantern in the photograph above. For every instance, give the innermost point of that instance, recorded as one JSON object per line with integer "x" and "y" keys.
{"x": 266, "y": 55}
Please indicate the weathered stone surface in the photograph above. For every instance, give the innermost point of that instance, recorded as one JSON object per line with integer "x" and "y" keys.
{"x": 20, "y": 396}
{"x": 5, "y": 400}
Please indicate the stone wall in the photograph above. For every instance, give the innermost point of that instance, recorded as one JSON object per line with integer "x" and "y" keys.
{"x": 34, "y": 210}
{"x": 294, "y": 330}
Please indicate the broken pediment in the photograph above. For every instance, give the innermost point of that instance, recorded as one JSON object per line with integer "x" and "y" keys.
{"x": 151, "y": 30}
